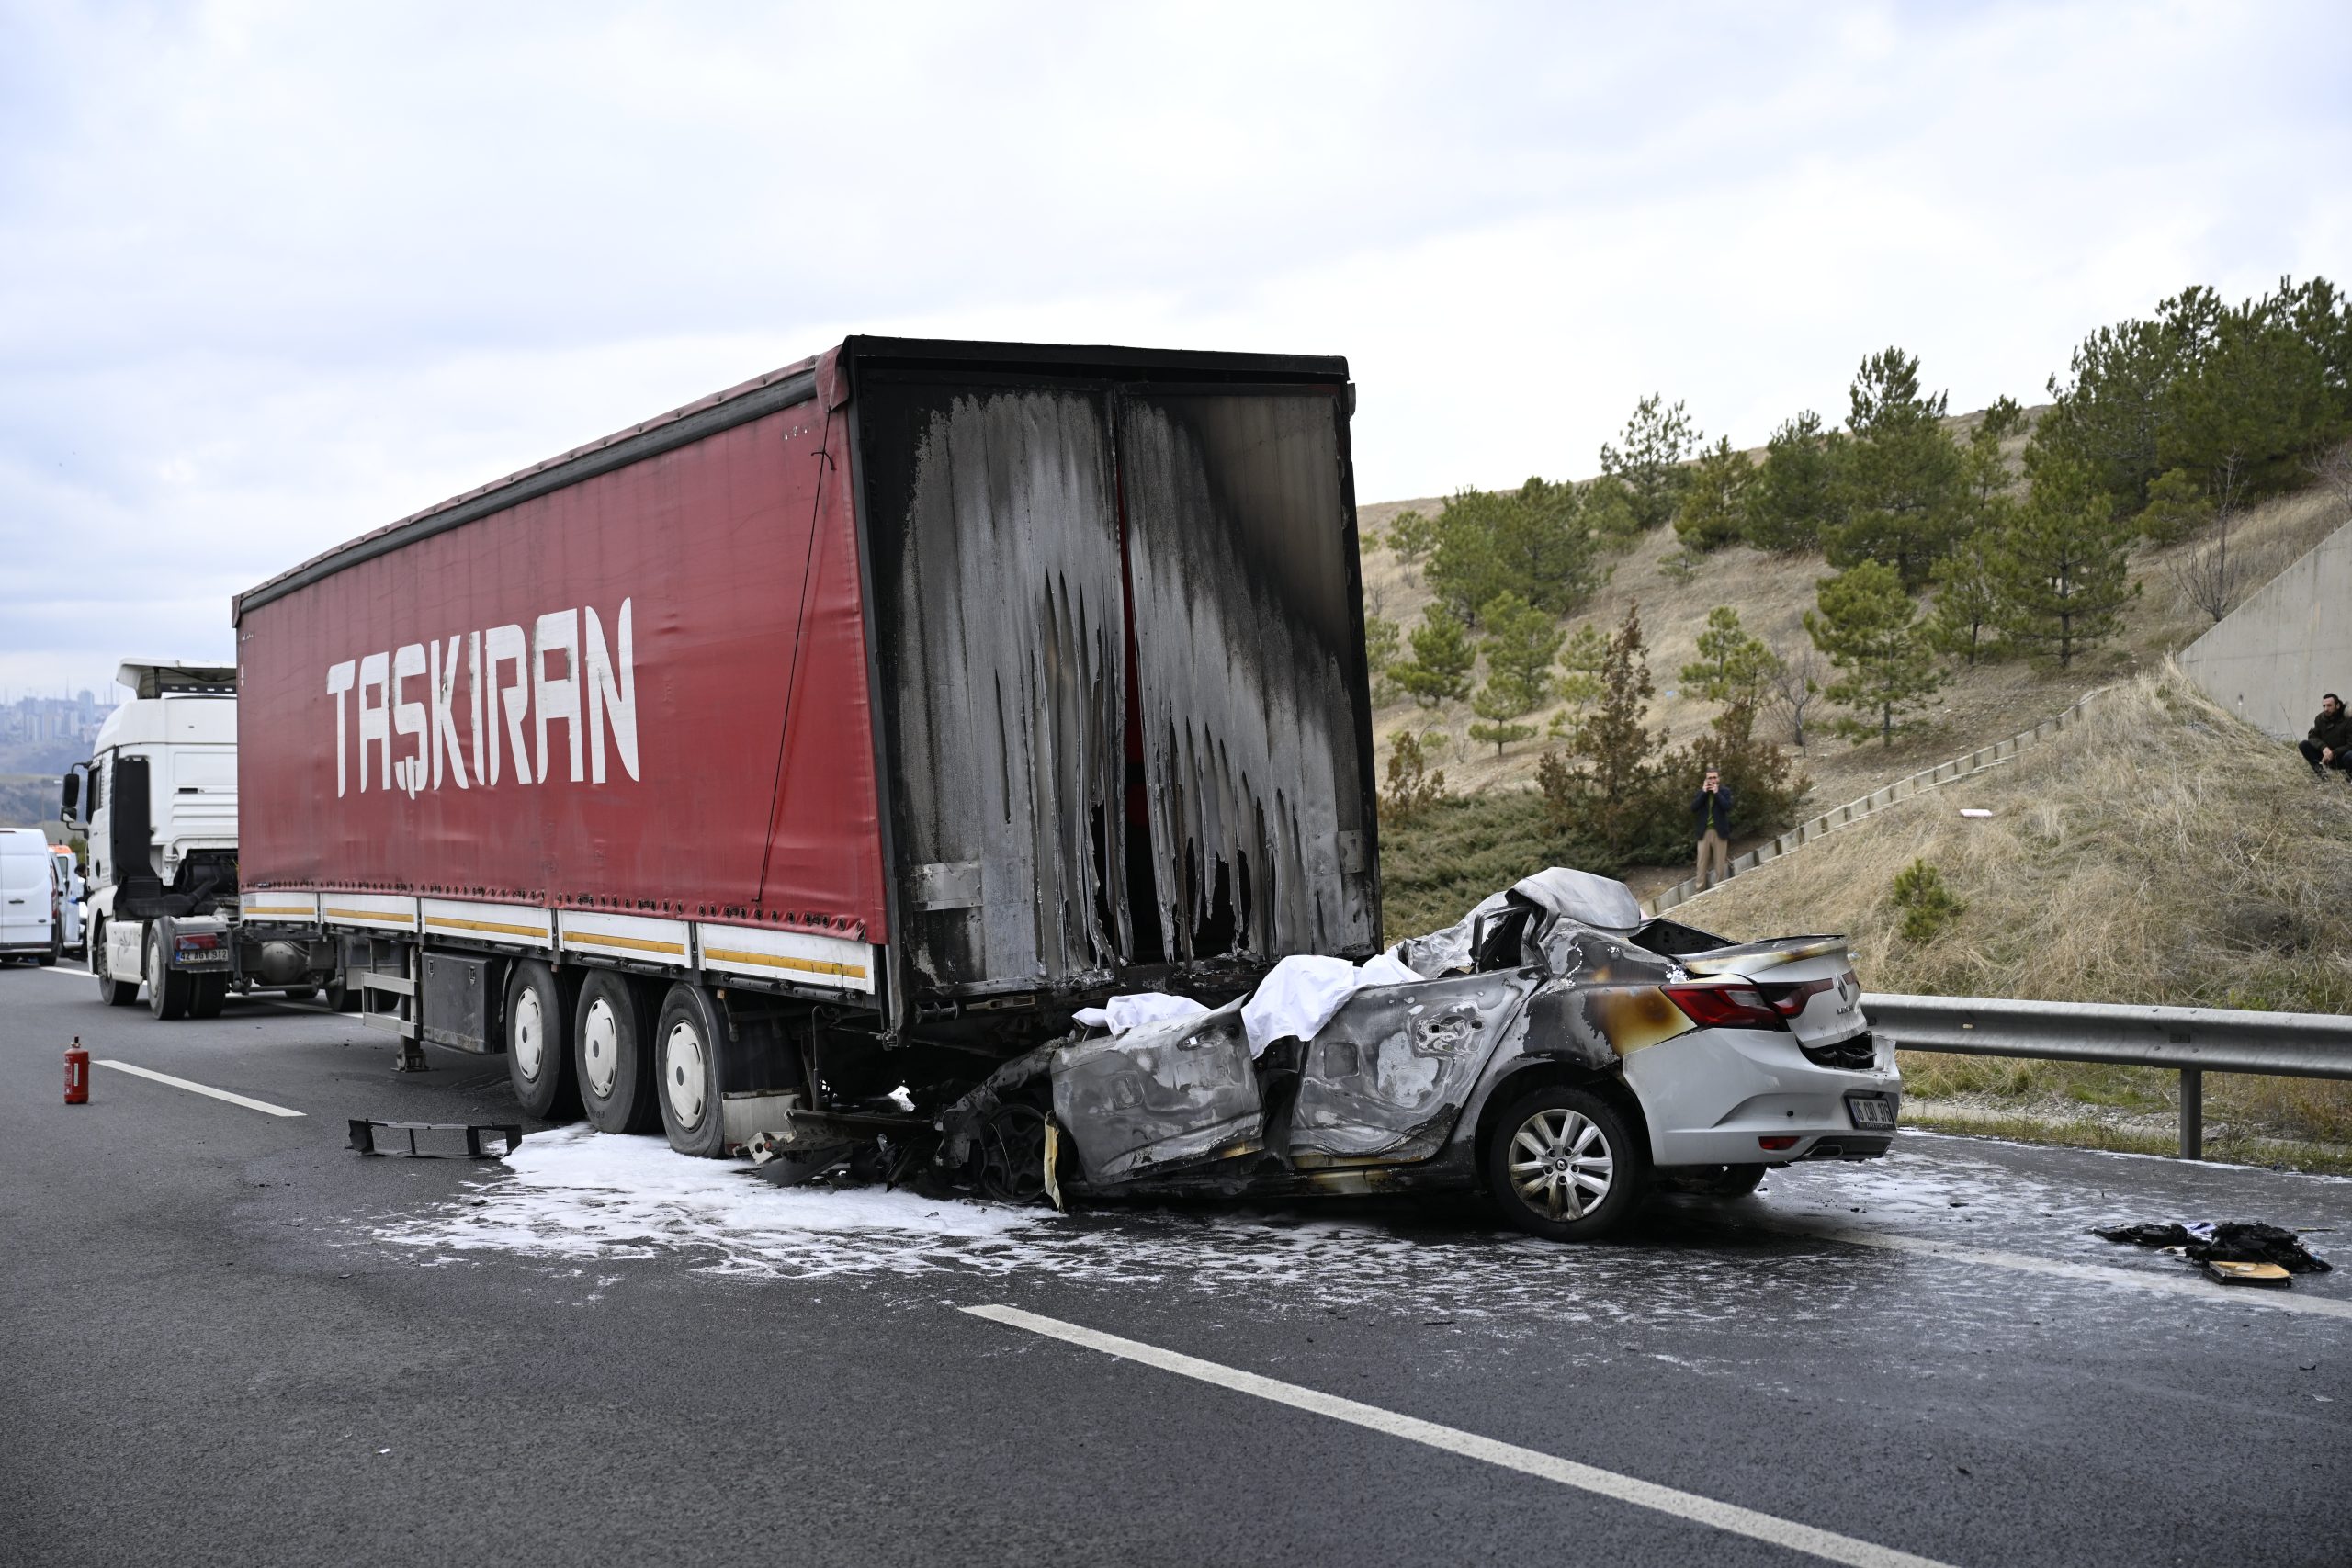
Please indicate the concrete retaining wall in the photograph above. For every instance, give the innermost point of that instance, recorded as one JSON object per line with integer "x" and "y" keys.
{"x": 2268, "y": 659}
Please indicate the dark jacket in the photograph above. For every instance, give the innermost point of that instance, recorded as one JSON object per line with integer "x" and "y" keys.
{"x": 2332, "y": 730}
{"x": 1716, "y": 813}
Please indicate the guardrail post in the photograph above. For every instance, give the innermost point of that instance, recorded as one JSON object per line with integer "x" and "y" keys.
{"x": 2192, "y": 1113}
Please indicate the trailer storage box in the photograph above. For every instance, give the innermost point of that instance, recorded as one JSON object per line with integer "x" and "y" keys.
{"x": 917, "y": 673}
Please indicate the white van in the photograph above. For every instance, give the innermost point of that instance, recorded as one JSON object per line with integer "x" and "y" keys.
{"x": 28, "y": 896}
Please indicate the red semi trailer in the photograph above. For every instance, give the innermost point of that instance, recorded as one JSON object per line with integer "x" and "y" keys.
{"x": 795, "y": 757}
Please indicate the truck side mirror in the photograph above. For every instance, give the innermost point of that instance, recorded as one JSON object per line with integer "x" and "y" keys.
{"x": 69, "y": 798}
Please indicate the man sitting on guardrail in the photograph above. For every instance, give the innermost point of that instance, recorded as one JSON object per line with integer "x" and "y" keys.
{"x": 2329, "y": 745}
{"x": 1711, "y": 818}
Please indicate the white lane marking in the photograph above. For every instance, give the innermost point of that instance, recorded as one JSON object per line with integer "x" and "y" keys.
{"x": 2098, "y": 1273}
{"x": 66, "y": 970}
{"x": 1825, "y": 1544}
{"x": 261, "y": 1105}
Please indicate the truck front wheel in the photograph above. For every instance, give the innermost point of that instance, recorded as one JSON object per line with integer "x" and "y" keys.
{"x": 113, "y": 992}
{"x": 168, "y": 993}
{"x": 538, "y": 1043}
{"x": 685, "y": 1054}
{"x": 616, "y": 1069}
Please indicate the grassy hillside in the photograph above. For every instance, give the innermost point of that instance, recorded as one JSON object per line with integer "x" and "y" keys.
{"x": 1771, "y": 592}
{"x": 2160, "y": 852}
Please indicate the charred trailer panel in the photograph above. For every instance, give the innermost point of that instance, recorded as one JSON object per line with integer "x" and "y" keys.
{"x": 1121, "y": 690}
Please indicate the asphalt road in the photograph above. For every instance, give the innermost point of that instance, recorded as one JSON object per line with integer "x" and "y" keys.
{"x": 228, "y": 1339}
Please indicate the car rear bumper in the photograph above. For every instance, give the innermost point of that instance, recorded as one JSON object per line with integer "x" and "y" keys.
{"x": 1726, "y": 1097}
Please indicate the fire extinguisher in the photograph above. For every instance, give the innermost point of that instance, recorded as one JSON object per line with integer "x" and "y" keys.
{"x": 77, "y": 1074}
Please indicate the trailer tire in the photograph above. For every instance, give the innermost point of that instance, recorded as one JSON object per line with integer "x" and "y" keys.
{"x": 168, "y": 993}
{"x": 686, "y": 1043}
{"x": 539, "y": 1040}
{"x": 613, "y": 1064}
{"x": 207, "y": 996}
{"x": 111, "y": 991}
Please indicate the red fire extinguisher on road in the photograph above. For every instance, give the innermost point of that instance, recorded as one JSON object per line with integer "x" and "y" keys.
{"x": 77, "y": 1074}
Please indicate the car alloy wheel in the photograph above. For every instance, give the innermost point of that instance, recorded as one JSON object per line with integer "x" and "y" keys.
{"x": 1567, "y": 1162}
{"x": 1561, "y": 1164}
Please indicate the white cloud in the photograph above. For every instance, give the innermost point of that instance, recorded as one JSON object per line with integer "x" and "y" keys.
{"x": 272, "y": 275}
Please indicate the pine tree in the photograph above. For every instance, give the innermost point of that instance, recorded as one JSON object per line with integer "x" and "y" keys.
{"x": 1410, "y": 537}
{"x": 1657, "y": 439}
{"x": 1522, "y": 641}
{"x": 2060, "y": 568}
{"x": 1438, "y": 671}
{"x": 1796, "y": 497}
{"x": 1619, "y": 751}
{"x": 1382, "y": 645}
{"x": 2178, "y": 508}
{"x": 1715, "y": 499}
{"x": 1607, "y": 792}
{"x": 1967, "y": 601}
{"x": 1532, "y": 542}
{"x": 1871, "y": 630}
{"x": 1733, "y": 666}
{"x": 1903, "y": 478}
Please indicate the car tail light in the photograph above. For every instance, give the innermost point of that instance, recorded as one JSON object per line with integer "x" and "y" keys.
{"x": 202, "y": 941}
{"x": 1735, "y": 1006}
{"x": 1788, "y": 1000}
{"x": 1783, "y": 1142}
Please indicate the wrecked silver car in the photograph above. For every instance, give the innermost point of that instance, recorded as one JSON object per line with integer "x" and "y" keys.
{"x": 1553, "y": 1046}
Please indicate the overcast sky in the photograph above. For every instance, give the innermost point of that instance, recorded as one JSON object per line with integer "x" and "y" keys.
{"x": 272, "y": 275}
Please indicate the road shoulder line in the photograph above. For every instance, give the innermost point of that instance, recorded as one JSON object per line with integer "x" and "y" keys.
{"x": 1828, "y": 1545}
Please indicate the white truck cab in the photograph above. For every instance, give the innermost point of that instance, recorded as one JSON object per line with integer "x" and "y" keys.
{"x": 158, "y": 798}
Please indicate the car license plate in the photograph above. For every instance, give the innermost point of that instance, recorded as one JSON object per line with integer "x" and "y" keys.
{"x": 1870, "y": 1112}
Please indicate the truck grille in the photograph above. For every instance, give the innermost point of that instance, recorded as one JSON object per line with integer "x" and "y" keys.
{"x": 1853, "y": 1053}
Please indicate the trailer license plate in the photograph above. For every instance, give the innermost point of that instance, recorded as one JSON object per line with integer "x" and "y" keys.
{"x": 1870, "y": 1112}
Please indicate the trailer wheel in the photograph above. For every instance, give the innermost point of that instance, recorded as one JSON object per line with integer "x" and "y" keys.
{"x": 538, "y": 1042}
{"x": 685, "y": 1050}
{"x": 111, "y": 991}
{"x": 206, "y": 996}
{"x": 168, "y": 993}
{"x": 616, "y": 1069}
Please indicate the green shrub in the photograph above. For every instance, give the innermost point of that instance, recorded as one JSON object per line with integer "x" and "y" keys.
{"x": 1926, "y": 904}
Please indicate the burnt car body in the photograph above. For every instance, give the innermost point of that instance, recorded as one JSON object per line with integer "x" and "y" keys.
{"x": 1553, "y": 1047}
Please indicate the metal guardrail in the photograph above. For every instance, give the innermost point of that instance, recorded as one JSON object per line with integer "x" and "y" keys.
{"x": 2189, "y": 1041}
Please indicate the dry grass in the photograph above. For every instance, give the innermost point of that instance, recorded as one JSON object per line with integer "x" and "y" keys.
{"x": 2161, "y": 851}
{"x": 1978, "y": 706}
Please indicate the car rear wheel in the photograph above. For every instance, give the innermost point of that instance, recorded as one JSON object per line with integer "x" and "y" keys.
{"x": 168, "y": 993}
{"x": 685, "y": 1047}
{"x": 1565, "y": 1165}
{"x": 538, "y": 1043}
{"x": 615, "y": 1067}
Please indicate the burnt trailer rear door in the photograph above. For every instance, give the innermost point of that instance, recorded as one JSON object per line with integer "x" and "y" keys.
{"x": 1122, "y": 698}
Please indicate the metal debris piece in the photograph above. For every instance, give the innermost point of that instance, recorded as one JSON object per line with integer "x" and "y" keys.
{"x": 370, "y": 1137}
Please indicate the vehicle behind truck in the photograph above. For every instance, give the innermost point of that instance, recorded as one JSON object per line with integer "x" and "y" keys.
{"x": 791, "y": 759}
{"x": 158, "y": 798}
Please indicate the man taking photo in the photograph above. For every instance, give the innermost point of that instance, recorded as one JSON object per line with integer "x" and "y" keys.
{"x": 1711, "y": 816}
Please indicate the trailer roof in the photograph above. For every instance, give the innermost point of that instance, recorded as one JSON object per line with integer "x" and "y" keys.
{"x": 781, "y": 389}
